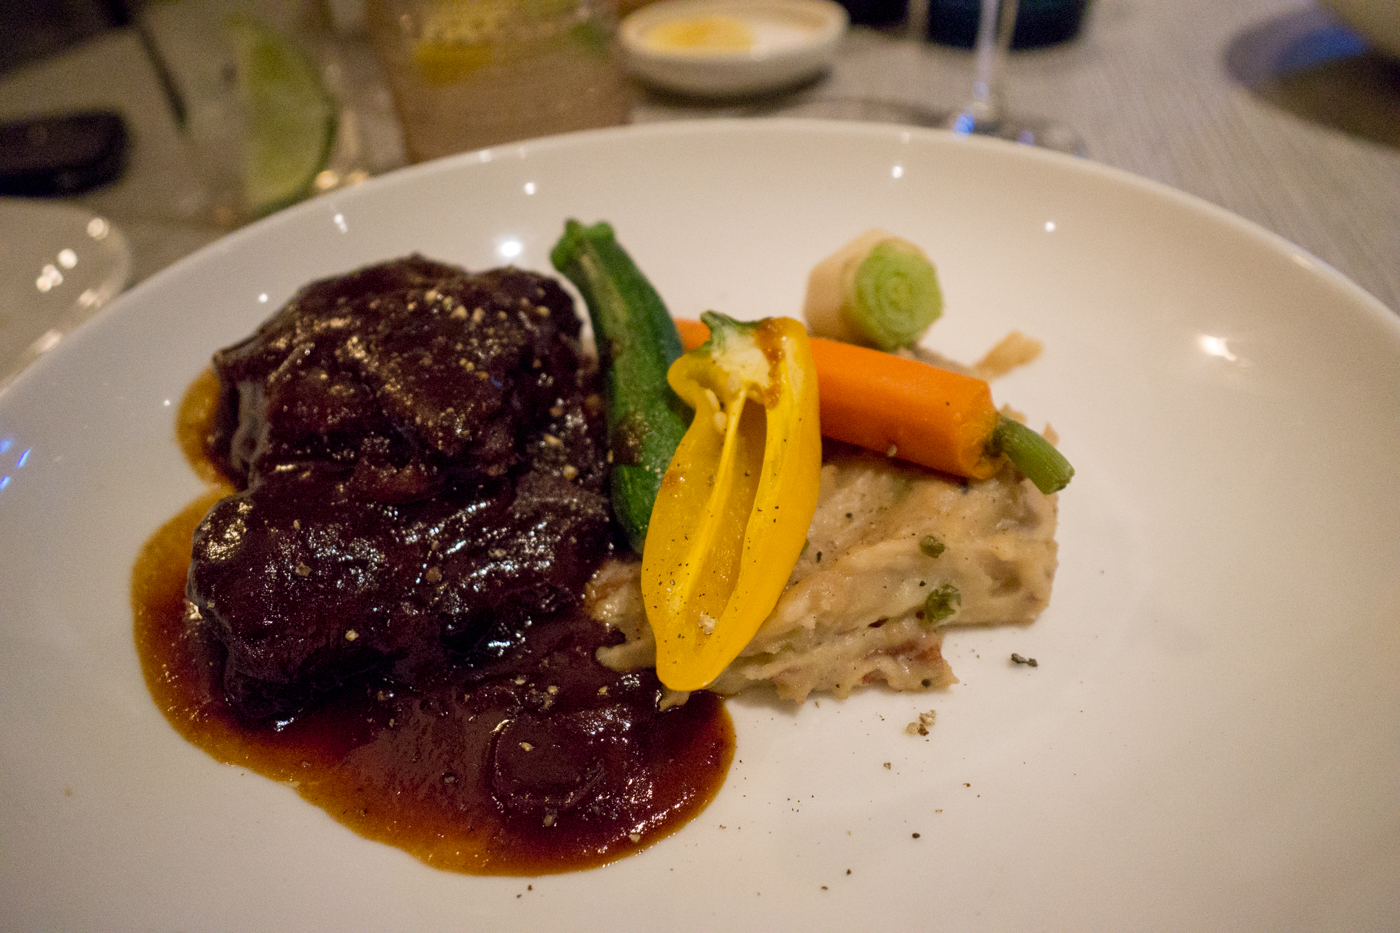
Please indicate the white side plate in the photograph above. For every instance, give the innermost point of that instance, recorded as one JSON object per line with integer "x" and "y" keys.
{"x": 58, "y": 265}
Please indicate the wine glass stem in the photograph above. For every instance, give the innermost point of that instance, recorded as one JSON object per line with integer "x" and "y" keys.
{"x": 994, "y": 29}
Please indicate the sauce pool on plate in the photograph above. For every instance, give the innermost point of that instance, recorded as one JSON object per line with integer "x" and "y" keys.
{"x": 537, "y": 761}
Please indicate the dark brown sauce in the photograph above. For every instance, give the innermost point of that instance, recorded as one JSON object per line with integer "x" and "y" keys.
{"x": 541, "y": 762}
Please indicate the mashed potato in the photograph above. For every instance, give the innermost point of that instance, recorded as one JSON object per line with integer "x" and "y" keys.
{"x": 856, "y": 609}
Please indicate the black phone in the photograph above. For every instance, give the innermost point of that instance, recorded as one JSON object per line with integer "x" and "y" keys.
{"x": 61, "y": 154}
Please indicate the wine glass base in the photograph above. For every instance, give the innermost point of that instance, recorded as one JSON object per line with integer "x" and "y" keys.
{"x": 1025, "y": 130}
{"x": 860, "y": 109}
{"x": 1028, "y": 131}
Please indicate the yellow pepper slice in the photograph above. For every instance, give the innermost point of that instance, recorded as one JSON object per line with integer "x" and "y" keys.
{"x": 734, "y": 507}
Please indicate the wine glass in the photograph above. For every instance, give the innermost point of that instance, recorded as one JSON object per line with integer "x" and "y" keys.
{"x": 985, "y": 113}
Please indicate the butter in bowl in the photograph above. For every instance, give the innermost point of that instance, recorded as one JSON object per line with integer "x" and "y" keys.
{"x": 732, "y": 48}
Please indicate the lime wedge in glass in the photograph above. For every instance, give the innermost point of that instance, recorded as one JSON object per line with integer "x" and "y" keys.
{"x": 291, "y": 117}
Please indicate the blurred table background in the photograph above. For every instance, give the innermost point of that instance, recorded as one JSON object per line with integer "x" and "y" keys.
{"x": 1271, "y": 109}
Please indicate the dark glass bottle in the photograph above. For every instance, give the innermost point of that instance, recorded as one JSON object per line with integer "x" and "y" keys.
{"x": 876, "y": 12}
{"x": 1038, "y": 22}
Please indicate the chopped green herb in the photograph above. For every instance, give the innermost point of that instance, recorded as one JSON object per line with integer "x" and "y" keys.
{"x": 942, "y": 602}
{"x": 1017, "y": 659}
{"x": 931, "y": 546}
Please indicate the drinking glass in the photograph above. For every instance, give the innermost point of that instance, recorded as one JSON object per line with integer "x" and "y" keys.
{"x": 472, "y": 73}
{"x": 256, "y": 88}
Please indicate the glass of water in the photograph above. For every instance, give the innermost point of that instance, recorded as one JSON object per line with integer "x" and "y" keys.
{"x": 472, "y": 73}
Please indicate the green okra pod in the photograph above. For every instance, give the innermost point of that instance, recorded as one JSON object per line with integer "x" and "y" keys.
{"x": 637, "y": 343}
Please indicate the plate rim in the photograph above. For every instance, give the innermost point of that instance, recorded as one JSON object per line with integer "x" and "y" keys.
{"x": 719, "y": 126}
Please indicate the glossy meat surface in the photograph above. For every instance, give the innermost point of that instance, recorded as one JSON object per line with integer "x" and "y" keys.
{"x": 421, "y": 468}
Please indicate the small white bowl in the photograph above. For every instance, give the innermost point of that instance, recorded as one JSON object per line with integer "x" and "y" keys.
{"x": 793, "y": 41}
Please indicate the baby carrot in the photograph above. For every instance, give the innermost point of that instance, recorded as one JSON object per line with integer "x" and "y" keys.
{"x": 917, "y": 412}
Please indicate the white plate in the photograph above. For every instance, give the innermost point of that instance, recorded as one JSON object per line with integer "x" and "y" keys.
{"x": 58, "y": 264}
{"x": 793, "y": 41}
{"x": 1211, "y": 739}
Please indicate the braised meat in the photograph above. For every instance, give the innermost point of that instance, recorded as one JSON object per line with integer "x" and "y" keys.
{"x": 421, "y": 471}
